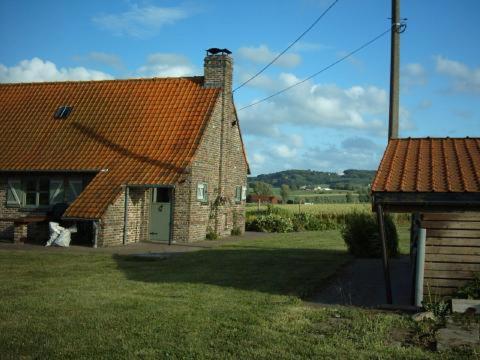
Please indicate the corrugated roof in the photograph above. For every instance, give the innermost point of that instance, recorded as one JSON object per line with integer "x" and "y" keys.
{"x": 144, "y": 131}
{"x": 436, "y": 165}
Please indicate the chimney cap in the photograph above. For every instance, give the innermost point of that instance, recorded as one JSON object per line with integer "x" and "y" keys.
{"x": 215, "y": 51}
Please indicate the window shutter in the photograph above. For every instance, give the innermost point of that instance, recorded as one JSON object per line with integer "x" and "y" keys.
{"x": 205, "y": 192}
{"x": 244, "y": 193}
{"x": 14, "y": 192}
{"x": 56, "y": 191}
{"x": 73, "y": 189}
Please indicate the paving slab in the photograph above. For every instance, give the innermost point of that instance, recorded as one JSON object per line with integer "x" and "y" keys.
{"x": 361, "y": 283}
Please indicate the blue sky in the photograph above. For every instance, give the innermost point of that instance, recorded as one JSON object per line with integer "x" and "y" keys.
{"x": 333, "y": 122}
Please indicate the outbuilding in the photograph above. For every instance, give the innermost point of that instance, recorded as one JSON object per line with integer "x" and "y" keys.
{"x": 437, "y": 180}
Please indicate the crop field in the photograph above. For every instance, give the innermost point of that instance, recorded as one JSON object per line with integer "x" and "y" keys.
{"x": 316, "y": 208}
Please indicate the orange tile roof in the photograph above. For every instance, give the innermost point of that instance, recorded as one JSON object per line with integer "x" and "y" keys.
{"x": 144, "y": 131}
{"x": 438, "y": 165}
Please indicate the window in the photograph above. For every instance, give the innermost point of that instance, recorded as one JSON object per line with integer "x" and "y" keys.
{"x": 35, "y": 192}
{"x": 240, "y": 193}
{"x": 202, "y": 192}
{"x": 62, "y": 112}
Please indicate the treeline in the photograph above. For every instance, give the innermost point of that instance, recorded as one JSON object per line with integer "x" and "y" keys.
{"x": 350, "y": 179}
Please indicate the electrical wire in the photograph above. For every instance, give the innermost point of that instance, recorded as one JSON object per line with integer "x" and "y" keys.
{"x": 288, "y": 47}
{"x": 322, "y": 70}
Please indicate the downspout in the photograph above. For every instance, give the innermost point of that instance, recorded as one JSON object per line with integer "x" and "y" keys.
{"x": 96, "y": 225}
{"x": 125, "y": 216}
{"x": 420, "y": 266}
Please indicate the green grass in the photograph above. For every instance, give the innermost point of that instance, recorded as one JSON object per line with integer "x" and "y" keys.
{"x": 242, "y": 300}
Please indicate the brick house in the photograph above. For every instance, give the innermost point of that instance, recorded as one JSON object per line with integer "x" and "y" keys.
{"x": 133, "y": 160}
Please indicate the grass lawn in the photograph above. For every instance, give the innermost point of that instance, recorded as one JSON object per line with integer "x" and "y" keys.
{"x": 241, "y": 300}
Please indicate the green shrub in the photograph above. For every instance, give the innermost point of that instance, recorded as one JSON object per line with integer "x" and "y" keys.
{"x": 211, "y": 234}
{"x": 361, "y": 236}
{"x": 271, "y": 223}
{"x": 470, "y": 290}
{"x": 236, "y": 231}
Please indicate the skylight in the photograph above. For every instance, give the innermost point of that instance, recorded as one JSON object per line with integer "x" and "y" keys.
{"x": 62, "y": 112}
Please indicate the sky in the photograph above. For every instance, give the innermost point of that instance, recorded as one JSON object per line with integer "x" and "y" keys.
{"x": 335, "y": 121}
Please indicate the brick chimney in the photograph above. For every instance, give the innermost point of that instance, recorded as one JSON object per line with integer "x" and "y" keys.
{"x": 218, "y": 70}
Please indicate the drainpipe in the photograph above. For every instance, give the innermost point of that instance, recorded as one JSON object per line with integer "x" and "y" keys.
{"x": 95, "y": 233}
{"x": 420, "y": 266}
{"x": 125, "y": 216}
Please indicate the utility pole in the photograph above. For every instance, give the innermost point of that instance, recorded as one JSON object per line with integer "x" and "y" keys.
{"x": 394, "y": 71}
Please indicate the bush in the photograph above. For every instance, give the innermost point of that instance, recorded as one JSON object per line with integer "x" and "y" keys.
{"x": 236, "y": 231}
{"x": 270, "y": 223}
{"x": 470, "y": 290}
{"x": 360, "y": 233}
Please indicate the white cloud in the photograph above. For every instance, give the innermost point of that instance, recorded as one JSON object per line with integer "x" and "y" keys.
{"x": 284, "y": 151}
{"x": 36, "y": 70}
{"x": 263, "y": 55}
{"x": 166, "y": 65}
{"x": 111, "y": 60}
{"x": 141, "y": 22}
{"x": 464, "y": 79}
{"x": 413, "y": 74}
{"x": 319, "y": 105}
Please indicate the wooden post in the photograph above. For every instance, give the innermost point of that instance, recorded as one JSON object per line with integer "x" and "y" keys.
{"x": 386, "y": 269}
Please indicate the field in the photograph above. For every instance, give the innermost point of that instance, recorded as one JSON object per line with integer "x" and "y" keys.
{"x": 239, "y": 301}
{"x": 317, "y": 208}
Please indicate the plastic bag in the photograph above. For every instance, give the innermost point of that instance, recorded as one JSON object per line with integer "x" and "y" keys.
{"x": 59, "y": 236}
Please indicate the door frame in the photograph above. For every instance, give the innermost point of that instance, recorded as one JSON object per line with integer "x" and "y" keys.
{"x": 172, "y": 205}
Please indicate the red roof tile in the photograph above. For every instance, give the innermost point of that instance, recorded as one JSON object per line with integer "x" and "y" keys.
{"x": 430, "y": 165}
{"x": 144, "y": 131}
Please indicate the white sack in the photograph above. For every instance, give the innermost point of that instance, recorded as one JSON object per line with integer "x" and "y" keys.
{"x": 59, "y": 236}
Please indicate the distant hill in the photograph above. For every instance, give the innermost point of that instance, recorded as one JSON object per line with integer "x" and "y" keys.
{"x": 350, "y": 179}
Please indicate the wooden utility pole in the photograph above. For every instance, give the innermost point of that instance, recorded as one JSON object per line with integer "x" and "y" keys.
{"x": 394, "y": 72}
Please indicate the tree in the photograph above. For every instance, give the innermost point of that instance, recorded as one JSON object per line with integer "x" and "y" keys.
{"x": 262, "y": 188}
{"x": 284, "y": 192}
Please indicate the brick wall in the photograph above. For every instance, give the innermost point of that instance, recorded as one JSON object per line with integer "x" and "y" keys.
{"x": 111, "y": 224}
{"x": 219, "y": 156}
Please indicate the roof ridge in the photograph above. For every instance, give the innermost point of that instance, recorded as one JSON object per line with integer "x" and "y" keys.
{"x": 139, "y": 79}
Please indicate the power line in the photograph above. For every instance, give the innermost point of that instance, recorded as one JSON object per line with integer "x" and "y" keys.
{"x": 322, "y": 70}
{"x": 288, "y": 47}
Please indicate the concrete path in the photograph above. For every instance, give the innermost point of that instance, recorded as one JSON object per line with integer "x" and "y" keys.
{"x": 361, "y": 283}
{"x": 137, "y": 248}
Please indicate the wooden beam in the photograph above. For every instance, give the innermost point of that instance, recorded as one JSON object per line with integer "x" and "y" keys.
{"x": 386, "y": 269}
{"x": 452, "y": 241}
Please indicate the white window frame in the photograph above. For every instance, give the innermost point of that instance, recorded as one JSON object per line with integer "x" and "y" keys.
{"x": 238, "y": 194}
{"x": 202, "y": 192}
